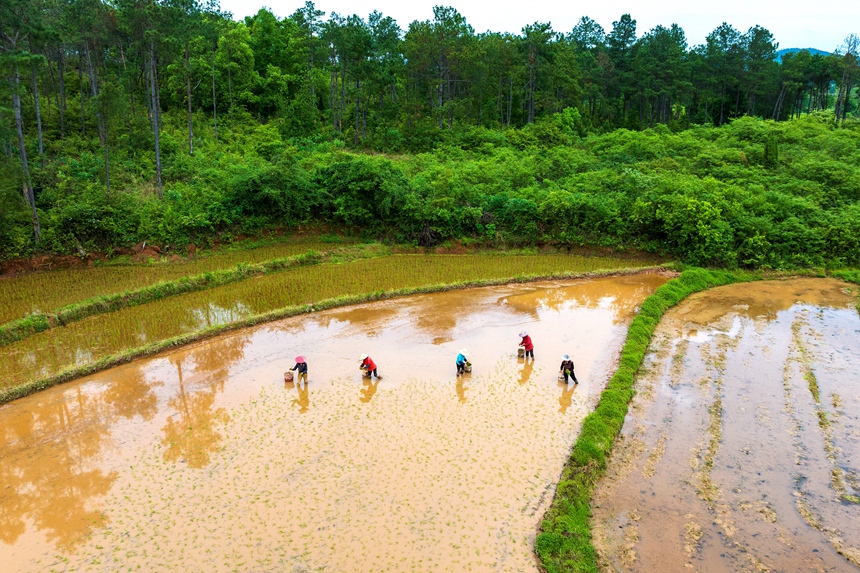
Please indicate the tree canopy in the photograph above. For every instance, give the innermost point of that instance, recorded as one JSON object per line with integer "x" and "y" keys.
{"x": 114, "y": 114}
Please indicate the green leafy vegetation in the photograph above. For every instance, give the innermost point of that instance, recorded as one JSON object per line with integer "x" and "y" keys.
{"x": 168, "y": 122}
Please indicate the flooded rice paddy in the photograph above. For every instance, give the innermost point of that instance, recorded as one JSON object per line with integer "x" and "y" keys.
{"x": 205, "y": 454}
{"x": 89, "y": 340}
{"x": 46, "y": 291}
{"x": 741, "y": 451}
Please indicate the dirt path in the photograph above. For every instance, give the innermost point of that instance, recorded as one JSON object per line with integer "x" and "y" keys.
{"x": 741, "y": 451}
{"x": 205, "y": 455}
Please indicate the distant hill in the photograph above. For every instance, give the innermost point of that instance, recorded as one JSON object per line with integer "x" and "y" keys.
{"x": 785, "y": 51}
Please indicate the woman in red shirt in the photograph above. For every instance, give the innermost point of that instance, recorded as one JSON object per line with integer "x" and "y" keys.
{"x": 527, "y": 344}
{"x": 369, "y": 365}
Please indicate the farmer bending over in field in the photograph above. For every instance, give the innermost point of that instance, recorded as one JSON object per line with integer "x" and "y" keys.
{"x": 302, "y": 367}
{"x": 566, "y": 368}
{"x": 526, "y": 343}
{"x": 368, "y": 365}
{"x": 461, "y": 361}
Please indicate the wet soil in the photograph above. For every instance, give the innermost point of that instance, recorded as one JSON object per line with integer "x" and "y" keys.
{"x": 741, "y": 451}
{"x": 206, "y": 454}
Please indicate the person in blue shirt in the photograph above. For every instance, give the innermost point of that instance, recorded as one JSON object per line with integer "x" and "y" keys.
{"x": 462, "y": 358}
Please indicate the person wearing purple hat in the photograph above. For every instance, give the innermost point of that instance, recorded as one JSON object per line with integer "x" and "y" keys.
{"x": 302, "y": 367}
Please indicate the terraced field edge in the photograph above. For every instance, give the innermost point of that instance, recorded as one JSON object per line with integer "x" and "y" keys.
{"x": 20, "y": 329}
{"x": 563, "y": 543}
{"x": 20, "y": 391}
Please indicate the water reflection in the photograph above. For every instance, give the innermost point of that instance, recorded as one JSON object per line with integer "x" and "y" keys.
{"x": 526, "y": 370}
{"x": 369, "y": 389}
{"x": 762, "y": 300}
{"x": 620, "y": 295}
{"x": 461, "y": 387}
{"x": 191, "y": 431}
{"x": 48, "y": 467}
{"x": 59, "y": 452}
{"x": 303, "y": 400}
{"x": 566, "y": 398}
{"x": 370, "y": 319}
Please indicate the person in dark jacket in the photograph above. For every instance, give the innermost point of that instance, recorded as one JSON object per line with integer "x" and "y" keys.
{"x": 566, "y": 368}
{"x": 368, "y": 365}
{"x": 526, "y": 343}
{"x": 302, "y": 368}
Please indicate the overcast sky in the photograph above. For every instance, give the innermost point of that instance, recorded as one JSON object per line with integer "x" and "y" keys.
{"x": 794, "y": 23}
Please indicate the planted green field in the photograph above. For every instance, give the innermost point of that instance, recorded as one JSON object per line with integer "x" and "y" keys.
{"x": 46, "y": 291}
{"x": 47, "y": 353}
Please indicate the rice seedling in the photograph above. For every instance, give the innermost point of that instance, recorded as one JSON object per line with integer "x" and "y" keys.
{"x": 45, "y": 291}
{"x": 93, "y": 341}
{"x": 19, "y": 329}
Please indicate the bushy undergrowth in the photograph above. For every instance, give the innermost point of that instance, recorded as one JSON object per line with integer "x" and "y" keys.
{"x": 708, "y": 196}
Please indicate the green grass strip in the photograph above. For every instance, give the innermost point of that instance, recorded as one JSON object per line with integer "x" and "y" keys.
{"x": 20, "y": 329}
{"x": 564, "y": 542}
{"x": 15, "y": 392}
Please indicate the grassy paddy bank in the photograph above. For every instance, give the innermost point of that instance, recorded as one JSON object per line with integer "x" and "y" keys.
{"x": 38, "y": 322}
{"x": 62, "y": 354}
{"x": 565, "y": 539}
{"x": 46, "y": 291}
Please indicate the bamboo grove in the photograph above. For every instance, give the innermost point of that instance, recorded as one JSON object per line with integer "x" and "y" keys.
{"x": 124, "y": 95}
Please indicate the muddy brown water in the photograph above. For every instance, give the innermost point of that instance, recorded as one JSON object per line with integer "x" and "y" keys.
{"x": 741, "y": 451}
{"x": 206, "y": 455}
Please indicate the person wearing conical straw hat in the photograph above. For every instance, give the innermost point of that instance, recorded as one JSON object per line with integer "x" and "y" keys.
{"x": 302, "y": 368}
{"x": 462, "y": 358}
{"x": 566, "y": 369}
{"x": 527, "y": 344}
{"x": 368, "y": 365}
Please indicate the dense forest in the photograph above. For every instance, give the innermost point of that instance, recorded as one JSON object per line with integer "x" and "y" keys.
{"x": 170, "y": 122}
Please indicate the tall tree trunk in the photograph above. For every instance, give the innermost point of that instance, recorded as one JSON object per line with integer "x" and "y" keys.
{"x": 156, "y": 115}
{"x": 102, "y": 123}
{"x": 61, "y": 72}
{"x": 311, "y": 75}
{"x": 342, "y": 99}
{"x": 81, "y": 89}
{"x": 357, "y": 113}
{"x": 441, "y": 96}
{"x": 230, "y": 86}
{"x": 510, "y": 98}
{"x": 39, "y": 117}
{"x": 188, "y": 97}
{"x": 22, "y": 150}
{"x": 214, "y": 99}
{"x": 95, "y": 95}
{"x": 332, "y": 83}
{"x": 777, "y": 108}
